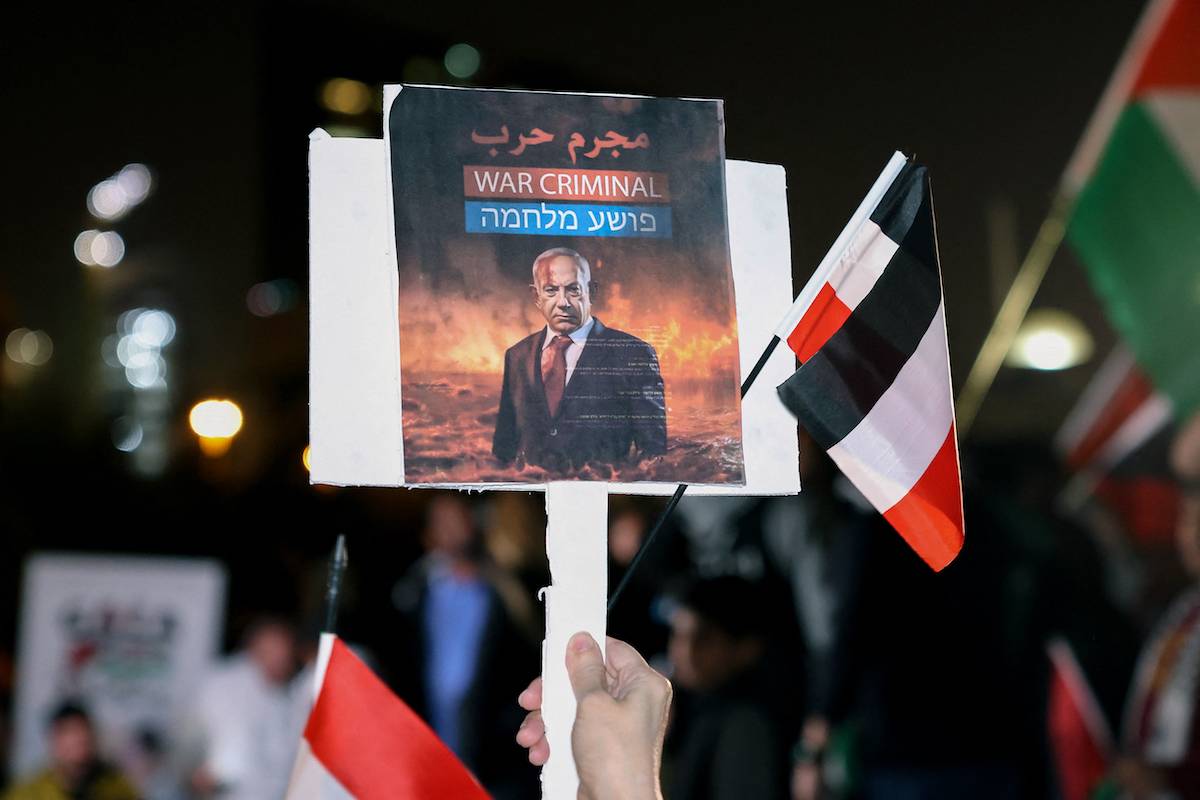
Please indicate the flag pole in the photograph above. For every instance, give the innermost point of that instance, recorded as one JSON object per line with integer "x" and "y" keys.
{"x": 681, "y": 488}
{"x": 1012, "y": 313}
{"x": 333, "y": 583}
{"x": 810, "y": 290}
{"x": 1050, "y": 235}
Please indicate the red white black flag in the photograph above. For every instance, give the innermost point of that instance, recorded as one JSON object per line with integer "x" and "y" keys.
{"x": 874, "y": 387}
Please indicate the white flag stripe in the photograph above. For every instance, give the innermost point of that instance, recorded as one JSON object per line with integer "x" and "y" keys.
{"x": 1095, "y": 400}
{"x": 861, "y": 265}
{"x": 1148, "y": 419}
{"x": 893, "y": 445}
{"x": 1178, "y": 117}
{"x": 821, "y": 276}
{"x": 312, "y": 781}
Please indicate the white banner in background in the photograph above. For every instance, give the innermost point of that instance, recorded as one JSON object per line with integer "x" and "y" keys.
{"x": 129, "y": 637}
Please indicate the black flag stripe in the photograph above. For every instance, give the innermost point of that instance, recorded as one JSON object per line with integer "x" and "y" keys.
{"x": 840, "y": 384}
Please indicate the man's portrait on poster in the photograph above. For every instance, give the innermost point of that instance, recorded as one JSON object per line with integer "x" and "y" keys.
{"x": 565, "y": 289}
{"x": 577, "y": 391}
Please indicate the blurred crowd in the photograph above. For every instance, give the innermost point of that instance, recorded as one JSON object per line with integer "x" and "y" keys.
{"x": 813, "y": 655}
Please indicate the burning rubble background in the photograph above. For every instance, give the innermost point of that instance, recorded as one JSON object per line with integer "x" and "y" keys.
{"x": 456, "y": 325}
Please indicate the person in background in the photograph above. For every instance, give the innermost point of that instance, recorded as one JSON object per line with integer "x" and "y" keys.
{"x": 724, "y": 743}
{"x": 1161, "y": 737}
{"x": 75, "y": 771}
{"x": 466, "y": 644}
{"x": 243, "y": 726}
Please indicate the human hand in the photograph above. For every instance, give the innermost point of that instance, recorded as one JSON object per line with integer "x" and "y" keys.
{"x": 620, "y": 721}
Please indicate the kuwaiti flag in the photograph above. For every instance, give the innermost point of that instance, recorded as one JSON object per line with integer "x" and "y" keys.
{"x": 1135, "y": 184}
{"x": 873, "y": 387}
{"x": 363, "y": 743}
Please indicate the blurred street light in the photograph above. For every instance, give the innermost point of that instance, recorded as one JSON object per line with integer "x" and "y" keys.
{"x": 345, "y": 96}
{"x": 1050, "y": 339}
{"x": 306, "y": 457}
{"x": 216, "y": 422}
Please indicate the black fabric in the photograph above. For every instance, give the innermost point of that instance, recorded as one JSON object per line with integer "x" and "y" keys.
{"x": 613, "y": 404}
{"x": 841, "y": 382}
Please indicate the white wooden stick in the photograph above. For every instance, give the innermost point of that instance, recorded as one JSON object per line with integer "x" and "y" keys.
{"x": 577, "y": 548}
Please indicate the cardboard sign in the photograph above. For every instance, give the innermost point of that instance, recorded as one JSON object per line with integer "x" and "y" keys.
{"x": 363, "y": 402}
{"x": 566, "y": 301}
{"x": 129, "y": 637}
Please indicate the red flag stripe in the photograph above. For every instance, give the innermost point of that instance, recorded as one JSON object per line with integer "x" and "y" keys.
{"x": 1129, "y": 396}
{"x": 822, "y": 320}
{"x": 930, "y": 516}
{"x": 375, "y": 745}
{"x": 851, "y": 277}
{"x": 1172, "y": 62}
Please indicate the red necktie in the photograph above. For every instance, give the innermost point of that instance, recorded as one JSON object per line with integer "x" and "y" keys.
{"x": 554, "y": 371}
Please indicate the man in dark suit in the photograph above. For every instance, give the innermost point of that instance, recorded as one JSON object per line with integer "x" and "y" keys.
{"x": 577, "y": 391}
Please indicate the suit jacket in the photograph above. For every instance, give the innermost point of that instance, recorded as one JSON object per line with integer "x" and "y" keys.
{"x": 613, "y": 404}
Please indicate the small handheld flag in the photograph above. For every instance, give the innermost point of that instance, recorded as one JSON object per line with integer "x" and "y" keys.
{"x": 363, "y": 743}
{"x": 873, "y": 388}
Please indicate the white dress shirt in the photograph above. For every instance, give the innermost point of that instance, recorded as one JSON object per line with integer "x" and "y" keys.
{"x": 575, "y": 349}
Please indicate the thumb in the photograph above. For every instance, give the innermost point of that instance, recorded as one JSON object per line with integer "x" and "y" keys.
{"x": 585, "y": 666}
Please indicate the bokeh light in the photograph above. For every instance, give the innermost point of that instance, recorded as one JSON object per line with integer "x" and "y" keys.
{"x": 216, "y": 419}
{"x": 107, "y": 200}
{"x": 31, "y": 348}
{"x": 83, "y": 247}
{"x": 1050, "y": 339}
{"x": 306, "y": 457}
{"x": 135, "y": 181}
{"x": 269, "y": 298}
{"x": 146, "y": 369}
{"x": 107, "y": 249}
{"x": 345, "y": 96}
{"x": 127, "y": 434}
{"x": 153, "y": 328}
{"x": 112, "y": 198}
{"x": 462, "y": 60}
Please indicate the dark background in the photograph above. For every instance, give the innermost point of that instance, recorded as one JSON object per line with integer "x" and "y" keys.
{"x": 218, "y": 100}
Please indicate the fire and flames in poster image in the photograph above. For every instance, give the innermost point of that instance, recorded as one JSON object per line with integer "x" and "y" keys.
{"x": 465, "y": 300}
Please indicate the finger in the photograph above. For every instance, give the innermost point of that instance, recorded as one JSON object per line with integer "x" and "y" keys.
{"x": 622, "y": 656}
{"x": 539, "y": 753}
{"x": 531, "y": 698}
{"x": 585, "y": 666}
{"x": 532, "y": 729}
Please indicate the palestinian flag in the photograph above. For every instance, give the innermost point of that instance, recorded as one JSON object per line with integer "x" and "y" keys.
{"x": 363, "y": 743}
{"x": 873, "y": 387}
{"x": 1116, "y": 442}
{"x": 1136, "y": 183}
{"x": 1080, "y": 739}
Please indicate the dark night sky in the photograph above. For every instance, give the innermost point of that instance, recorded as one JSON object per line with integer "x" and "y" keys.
{"x": 218, "y": 100}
